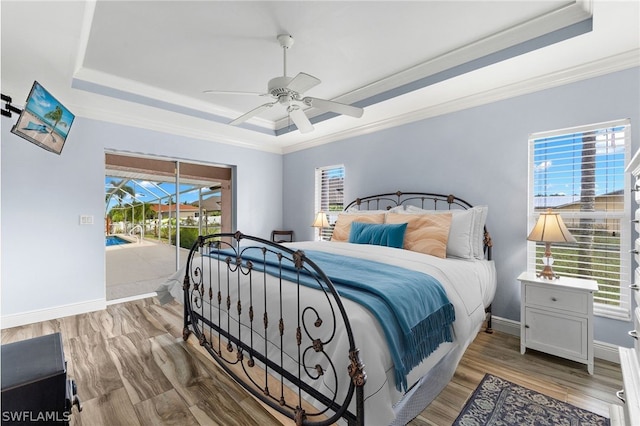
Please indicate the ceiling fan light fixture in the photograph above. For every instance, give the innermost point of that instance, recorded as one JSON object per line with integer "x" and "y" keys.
{"x": 287, "y": 90}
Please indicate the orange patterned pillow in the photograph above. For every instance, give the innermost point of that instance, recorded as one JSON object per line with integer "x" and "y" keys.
{"x": 426, "y": 233}
{"x": 343, "y": 224}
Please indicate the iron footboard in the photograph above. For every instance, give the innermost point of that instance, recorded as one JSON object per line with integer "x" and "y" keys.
{"x": 242, "y": 300}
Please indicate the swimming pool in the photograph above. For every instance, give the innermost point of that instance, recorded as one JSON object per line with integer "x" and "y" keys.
{"x": 113, "y": 240}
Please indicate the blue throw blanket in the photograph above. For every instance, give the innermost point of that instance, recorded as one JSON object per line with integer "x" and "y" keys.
{"x": 412, "y": 307}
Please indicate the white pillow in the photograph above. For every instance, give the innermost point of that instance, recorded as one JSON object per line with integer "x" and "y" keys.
{"x": 396, "y": 209}
{"x": 480, "y": 219}
{"x": 356, "y": 210}
{"x": 461, "y": 233}
{"x": 477, "y": 231}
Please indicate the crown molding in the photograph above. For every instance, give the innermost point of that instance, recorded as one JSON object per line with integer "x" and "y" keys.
{"x": 597, "y": 68}
{"x": 593, "y": 69}
{"x": 550, "y": 28}
{"x": 143, "y": 121}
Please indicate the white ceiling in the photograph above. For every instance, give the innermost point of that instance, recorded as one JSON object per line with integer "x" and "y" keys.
{"x": 147, "y": 63}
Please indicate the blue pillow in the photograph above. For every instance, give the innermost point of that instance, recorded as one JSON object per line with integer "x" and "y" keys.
{"x": 390, "y": 235}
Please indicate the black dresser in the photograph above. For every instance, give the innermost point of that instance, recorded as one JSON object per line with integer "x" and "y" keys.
{"x": 35, "y": 387}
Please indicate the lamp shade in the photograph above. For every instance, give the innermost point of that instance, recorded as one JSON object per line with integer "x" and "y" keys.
{"x": 320, "y": 221}
{"x": 550, "y": 229}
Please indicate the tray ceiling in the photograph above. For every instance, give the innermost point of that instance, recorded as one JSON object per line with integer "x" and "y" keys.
{"x": 147, "y": 63}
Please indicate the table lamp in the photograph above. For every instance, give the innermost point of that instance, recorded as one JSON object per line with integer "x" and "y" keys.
{"x": 550, "y": 229}
{"x": 320, "y": 222}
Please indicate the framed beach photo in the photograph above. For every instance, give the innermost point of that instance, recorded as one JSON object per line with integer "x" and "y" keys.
{"x": 44, "y": 121}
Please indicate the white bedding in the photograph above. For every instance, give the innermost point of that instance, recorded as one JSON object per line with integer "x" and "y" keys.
{"x": 470, "y": 286}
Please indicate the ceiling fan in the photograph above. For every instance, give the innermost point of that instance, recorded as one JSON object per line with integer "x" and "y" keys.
{"x": 287, "y": 91}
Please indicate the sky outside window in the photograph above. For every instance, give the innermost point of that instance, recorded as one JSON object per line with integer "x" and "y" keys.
{"x": 558, "y": 164}
{"x": 150, "y": 192}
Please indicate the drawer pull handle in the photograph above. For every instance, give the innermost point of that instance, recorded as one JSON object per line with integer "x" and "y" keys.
{"x": 634, "y": 334}
{"x": 635, "y": 220}
{"x": 634, "y": 251}
{"x": 526, "y": 326}
{"x": 553, "y": 299}
{"x": 635, "y": 287}
{"x": 620, "y": 395}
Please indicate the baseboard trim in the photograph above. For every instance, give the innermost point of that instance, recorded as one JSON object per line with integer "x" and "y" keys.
{"x": 131, "y": 298}
{"x": 24, "y": 318}
{"x": 505, "y": 325}
{"x": 606, "y": 351}
{"x": 601, "y": 350}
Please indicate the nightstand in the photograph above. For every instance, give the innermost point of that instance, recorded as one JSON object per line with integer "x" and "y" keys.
{"x": 556, "y": 317}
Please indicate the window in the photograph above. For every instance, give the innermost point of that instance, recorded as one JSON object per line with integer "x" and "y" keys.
{"x": 580, "y": 174}
{"x": 329, "y": 195}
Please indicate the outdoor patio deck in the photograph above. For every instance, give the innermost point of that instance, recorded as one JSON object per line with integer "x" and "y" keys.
{"x": 139, "y": 268}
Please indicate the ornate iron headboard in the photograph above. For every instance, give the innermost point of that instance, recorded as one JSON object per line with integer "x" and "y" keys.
{"x": 427, "y": 201}
{"x": 424, "y": 200}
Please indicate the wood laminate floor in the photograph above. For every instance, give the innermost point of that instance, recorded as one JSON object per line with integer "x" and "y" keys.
{"x": 132, "y": 368}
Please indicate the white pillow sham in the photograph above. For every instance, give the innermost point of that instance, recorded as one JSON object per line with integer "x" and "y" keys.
{"x": 479, "y": 221}
{"x": 356, "y": 210}
{"x": 466, "y": 235}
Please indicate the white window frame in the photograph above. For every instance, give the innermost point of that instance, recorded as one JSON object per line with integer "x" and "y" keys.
{"x": 623, "y": 310}
{"x": 323, "y": 187}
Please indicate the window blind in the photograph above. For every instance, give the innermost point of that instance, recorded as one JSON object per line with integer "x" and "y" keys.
{"x": 329, "y": 195}
{"x": 579, "y": 173}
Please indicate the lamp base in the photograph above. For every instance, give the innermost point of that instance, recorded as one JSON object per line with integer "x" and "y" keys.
{"x": 548, "y": 274}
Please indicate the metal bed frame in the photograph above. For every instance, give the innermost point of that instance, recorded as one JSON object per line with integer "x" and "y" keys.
{"x": 246, "y": 361}
{"x": 207, "y": 295}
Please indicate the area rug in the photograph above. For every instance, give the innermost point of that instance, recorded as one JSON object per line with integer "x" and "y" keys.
{"x": 498, "y": 402}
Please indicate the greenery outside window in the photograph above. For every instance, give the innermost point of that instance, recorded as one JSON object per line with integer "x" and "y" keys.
{"x": 580, "y": 173}
{"x": 329, "y": 196}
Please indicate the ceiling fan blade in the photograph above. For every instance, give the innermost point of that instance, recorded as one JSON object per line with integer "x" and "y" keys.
{"x": 332, "y": 106}
{"x": 300, "y": 119}
{"x": 228, "y": 92}
{"x": 302, "y": 82}
{"x": 252, "y": 113}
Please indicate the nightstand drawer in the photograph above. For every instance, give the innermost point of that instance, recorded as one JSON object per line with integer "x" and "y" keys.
{"x": 557, "y": 298}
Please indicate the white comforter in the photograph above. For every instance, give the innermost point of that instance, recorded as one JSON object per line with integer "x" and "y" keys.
{"x": 470, "y": 286}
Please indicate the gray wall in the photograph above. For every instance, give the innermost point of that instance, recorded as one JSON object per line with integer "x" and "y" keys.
{"x": 49, "y": 261}
{"x": 479, "y": 154}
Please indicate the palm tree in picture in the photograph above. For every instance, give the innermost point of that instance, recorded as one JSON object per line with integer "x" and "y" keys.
{"x": 114, "y": 188}
{"x": 586, "y": 236}
{"x": 55, "y": 115}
